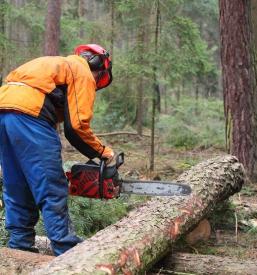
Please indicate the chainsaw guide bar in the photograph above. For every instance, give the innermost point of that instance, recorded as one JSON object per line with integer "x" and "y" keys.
{"x": 154, "y": 188}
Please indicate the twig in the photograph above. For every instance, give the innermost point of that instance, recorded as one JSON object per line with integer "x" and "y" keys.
{"x": 236, "y": 226}
{"x": 195, "y": 250}
{"x": 121, "y": 133}
{"x": 165, "y": 271}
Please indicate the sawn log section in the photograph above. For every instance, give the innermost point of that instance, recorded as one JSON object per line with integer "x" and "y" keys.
{"x": 205, "y": 265}
{"x": 139, "y": 240}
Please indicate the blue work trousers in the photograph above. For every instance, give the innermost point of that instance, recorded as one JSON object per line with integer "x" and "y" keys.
{"x": 33, "y": 177}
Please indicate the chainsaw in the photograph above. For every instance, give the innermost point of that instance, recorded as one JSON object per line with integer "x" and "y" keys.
{"x": 97, "y": 180}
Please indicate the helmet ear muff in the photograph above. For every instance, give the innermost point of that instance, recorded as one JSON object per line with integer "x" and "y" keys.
{"x": 96, "y": 63}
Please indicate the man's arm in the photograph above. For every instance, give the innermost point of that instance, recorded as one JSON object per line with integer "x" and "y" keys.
{"x": 79, "y": 111}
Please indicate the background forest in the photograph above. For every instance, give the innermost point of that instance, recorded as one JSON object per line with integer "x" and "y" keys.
{"x": 165, "y": 54}
{"x": 162, "y": 50}
{"x": 165, "y": 107}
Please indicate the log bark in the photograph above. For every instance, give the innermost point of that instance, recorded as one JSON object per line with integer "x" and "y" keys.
{"x": 205, "y": 264}
{"x": 14, "y": 261}
{"x": 139, "y": 240}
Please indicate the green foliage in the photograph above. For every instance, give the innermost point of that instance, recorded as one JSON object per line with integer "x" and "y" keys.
{"x": 193, "y": 123}
{"x": 184, "y": 54}
{"x": 188, "y": 56}
{"x": 90, "y": 215}
{"x": 248, "y": 190}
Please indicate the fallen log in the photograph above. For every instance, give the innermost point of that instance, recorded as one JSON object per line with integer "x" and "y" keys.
{"x": 139, "y": 240}
{"x": 204, "y": 264}
{"x": 14, "y": 261}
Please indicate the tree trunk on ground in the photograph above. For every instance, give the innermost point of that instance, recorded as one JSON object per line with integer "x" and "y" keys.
{"x": 14, "y": 261}
{"x": 139, "y": 240}
{"x": 52, "y": 33}
{"x": 239, "y": 81}
{"x": 205, "y": 264}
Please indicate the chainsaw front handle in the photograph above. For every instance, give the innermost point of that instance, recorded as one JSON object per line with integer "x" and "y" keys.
{"x": 119, "y": 159}
{"x": 101, "y": 177}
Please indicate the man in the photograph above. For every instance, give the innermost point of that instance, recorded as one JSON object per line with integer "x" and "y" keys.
{"x": 37, "y": 95}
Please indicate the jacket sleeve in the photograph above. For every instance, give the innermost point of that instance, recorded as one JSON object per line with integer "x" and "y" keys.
{"x": 78, "y": 111}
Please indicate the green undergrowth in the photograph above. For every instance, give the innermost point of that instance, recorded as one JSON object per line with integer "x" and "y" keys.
{"x": 223, "y": 216}
{"x": 187, "y": 123}
{"x": 91, "y": 215}
{"x": 192, "y": 123}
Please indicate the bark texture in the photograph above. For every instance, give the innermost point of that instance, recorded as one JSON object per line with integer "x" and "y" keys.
{"x": 205, "y": 264}
{"x": 20, "y": 262}
{"x": 239, "y": 81}
{"x": 52, "y": 34}
{"x": 2, "y": 46}
{"x": 139, "y": 240}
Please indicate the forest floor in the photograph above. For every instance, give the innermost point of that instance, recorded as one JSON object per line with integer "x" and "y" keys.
{"x": 234, "y": 224}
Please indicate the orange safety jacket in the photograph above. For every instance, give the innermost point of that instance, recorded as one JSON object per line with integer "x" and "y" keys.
{"x": 56, "y": 89}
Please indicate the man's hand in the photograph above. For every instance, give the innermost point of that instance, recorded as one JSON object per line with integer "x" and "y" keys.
{"x": 108, "y": 154}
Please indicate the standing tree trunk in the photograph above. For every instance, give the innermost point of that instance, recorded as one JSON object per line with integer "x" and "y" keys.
{"x": 82, "y": 10}
{"x": 156, "y": 101}
{"x": 239, "y": 81}
{"x": 139, "y": 111}
{"x": 18, "y": 34}
{"x": 2, "y": 43}
{"x": 112, "y": 10}
{"x": 52, "y": 33}
{"x": 140, "y": 85}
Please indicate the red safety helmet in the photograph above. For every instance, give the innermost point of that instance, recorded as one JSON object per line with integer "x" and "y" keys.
{"x": 99, "y": 60}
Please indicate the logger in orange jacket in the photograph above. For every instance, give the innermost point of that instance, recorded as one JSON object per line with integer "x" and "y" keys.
{"x": 37, "y": 95}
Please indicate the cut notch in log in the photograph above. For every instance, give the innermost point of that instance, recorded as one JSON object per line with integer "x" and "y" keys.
{"x": 139, "y": 240}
